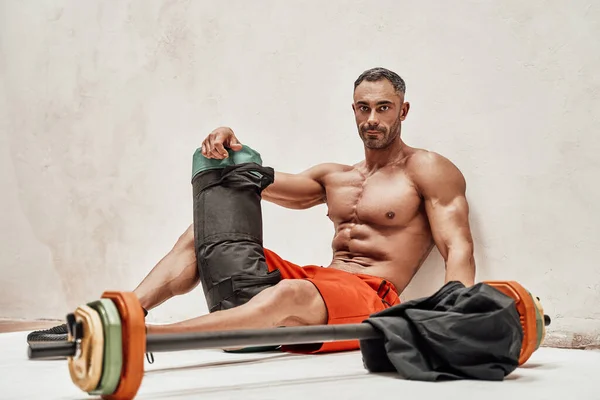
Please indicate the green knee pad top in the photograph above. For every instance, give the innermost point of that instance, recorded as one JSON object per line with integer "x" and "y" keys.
{"x": 245, "y": 155}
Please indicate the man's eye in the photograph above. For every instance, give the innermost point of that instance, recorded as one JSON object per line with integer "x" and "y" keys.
{"x": 364, "y": 108}
{"x": 384, "y": 108}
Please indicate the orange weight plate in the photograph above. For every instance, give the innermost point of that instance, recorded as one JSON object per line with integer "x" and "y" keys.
{"x": 134, "y": 344}
{"x": 526, "y": 309}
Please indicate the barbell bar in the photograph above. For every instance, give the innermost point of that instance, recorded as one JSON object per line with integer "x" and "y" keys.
{"x": 88, "y": 339}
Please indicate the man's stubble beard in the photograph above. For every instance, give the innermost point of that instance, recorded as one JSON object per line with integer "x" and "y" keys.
{"x": 385, "y": 141}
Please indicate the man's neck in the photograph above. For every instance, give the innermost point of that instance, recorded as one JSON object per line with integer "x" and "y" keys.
{"x": 378, "y": 158}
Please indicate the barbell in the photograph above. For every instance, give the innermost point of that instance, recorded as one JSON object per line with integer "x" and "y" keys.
{"x": 107, "y": 339}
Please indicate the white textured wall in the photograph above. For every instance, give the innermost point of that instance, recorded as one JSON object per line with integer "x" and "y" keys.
{"x": 103, "y": 103}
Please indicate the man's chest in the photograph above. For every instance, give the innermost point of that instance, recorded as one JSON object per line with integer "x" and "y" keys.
{"x": 387, "y": 199}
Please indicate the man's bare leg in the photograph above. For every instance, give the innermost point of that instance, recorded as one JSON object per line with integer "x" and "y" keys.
{"x": 289, "y": 303}
{"x": 175, "y": 274}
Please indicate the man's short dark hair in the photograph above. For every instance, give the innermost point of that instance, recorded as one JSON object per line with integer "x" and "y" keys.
{"x": 376, "y": 74}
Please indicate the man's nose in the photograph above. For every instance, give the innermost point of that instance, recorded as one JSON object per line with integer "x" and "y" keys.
{"x": 373, "y": 120}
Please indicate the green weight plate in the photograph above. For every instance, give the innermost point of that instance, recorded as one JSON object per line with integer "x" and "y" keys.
{"x": 113, "y": 346}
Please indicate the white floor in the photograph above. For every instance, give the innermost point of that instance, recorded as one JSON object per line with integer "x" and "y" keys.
{"x": 212, "y": 374}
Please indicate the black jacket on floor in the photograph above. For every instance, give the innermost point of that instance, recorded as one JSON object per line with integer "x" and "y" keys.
{"x": 457, "y": 333}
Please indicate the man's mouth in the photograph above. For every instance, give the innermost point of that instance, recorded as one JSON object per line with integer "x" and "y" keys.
{"x": 373, "y": 129}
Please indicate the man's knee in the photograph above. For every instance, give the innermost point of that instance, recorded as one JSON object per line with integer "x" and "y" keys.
{"x": 292, "y": 291}
{"x": 186, "y": 239}
{"x": 299, "y": 302}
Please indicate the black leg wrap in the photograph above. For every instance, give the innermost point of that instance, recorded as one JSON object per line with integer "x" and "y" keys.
{"x": 228, "y": 234}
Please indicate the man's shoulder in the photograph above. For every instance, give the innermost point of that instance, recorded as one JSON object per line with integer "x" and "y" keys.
{"x": 429, "y": 168}
{"x": 421, "y": 157}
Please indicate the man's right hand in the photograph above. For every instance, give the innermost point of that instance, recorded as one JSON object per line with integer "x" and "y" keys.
{"x": 218, "y": 141}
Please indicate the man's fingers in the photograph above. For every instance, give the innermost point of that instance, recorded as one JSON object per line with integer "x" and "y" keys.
{"x": 210, "y": 148}
{"x": 220, "y": 149}
{"x": 206, "y": 150}
{"x": 235, "y": 144}
{"x": 215, "y": 154}
{"x": 217, "y": 142}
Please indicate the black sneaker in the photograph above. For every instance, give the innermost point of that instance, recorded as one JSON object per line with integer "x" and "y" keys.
{"x": 56, "y": 334}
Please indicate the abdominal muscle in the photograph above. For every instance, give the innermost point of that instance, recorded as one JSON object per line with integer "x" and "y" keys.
{"x": 392, "y": 253}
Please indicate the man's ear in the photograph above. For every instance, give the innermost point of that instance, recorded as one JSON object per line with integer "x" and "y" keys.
{"x": 404, "y": 110}
{"x": 353, "y": 108}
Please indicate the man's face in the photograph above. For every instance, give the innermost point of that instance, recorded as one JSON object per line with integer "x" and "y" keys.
{"x": 378, "y": 111}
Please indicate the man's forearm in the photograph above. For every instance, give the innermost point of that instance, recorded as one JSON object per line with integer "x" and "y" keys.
{"x": 460, "y": 265}
{"x": 294, "y": 191}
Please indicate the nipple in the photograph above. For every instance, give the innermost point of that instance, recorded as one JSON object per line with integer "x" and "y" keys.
{"x": 391, "y": 214}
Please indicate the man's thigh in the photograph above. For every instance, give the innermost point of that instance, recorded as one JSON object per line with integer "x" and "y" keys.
{"x": 348, "y": 299}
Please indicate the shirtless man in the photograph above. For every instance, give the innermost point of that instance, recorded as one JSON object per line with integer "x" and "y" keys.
{"x": 388, "y": 210}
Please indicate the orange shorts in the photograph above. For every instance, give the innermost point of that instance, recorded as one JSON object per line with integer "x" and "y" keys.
{"x": 349, "y": 298}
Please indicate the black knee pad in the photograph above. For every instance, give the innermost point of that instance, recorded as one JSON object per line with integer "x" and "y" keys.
{"x": 228, "y": 233}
